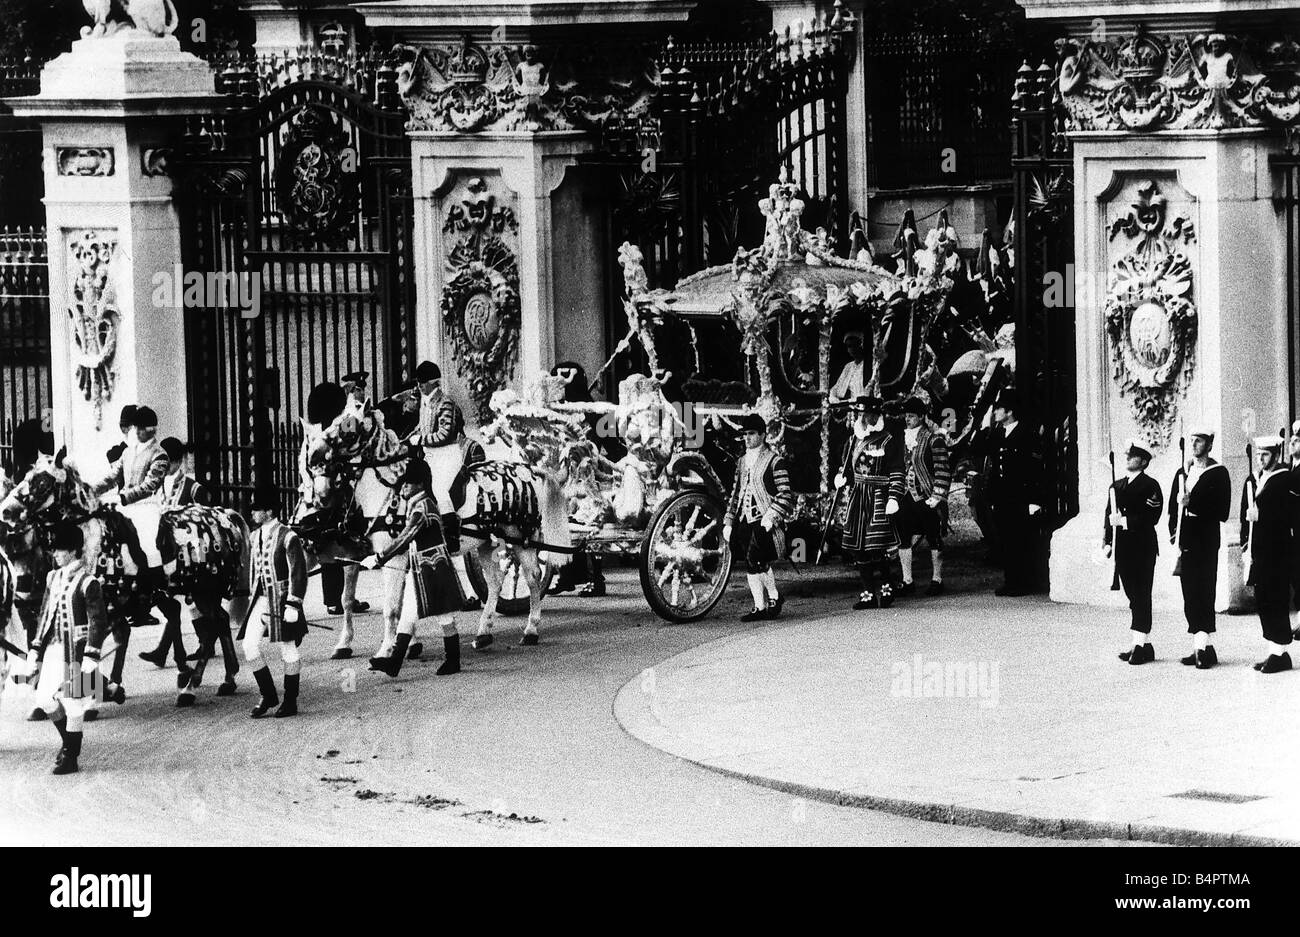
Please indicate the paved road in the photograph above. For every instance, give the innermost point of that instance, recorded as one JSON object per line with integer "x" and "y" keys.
{"x": 520, "y": 748}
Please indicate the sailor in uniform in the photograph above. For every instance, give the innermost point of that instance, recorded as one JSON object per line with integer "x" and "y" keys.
{"x": 761, "y": 500}
{"x": 924, "y": 506}
{"x": 1139, "y": 503}
{"x": 73, "y": 626}
{"x": 1268, "y": 534}
{"x": 441, "y": 433}
{"x": 277, "y": 582}
{"x": 875, "y": 465}
{"x": 1200, "y": 499}
{"x": 423, "y": 583}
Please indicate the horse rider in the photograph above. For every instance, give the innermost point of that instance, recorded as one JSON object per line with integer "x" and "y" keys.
{"x": 441, "y": 433}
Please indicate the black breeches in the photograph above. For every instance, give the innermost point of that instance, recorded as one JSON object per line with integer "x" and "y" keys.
{"x": 756, "y": 545}
{"x": 331, "y": 583}
{"x": 1200, "y": 569}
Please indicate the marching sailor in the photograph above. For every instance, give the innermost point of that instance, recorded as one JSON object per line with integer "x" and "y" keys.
{"x": 761, "y": 499}
{"x": 1139, "y": 503}
{"x": 179, "y": 489}
{"x": 1268, "y": 535}
{"x": 924, "y": 505}
{"x": 277, "y": 582}
{"x": 1200, "y": 499}
{"x": 876, "y": 459}
{"x": 72, "y": 629}
{"x": 441, "y": 432}
{"x": 1014, "y": 491}
{"x": 423, "y": 583}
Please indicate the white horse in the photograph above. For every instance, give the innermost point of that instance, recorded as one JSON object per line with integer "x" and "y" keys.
{"x": 357, "y": 461}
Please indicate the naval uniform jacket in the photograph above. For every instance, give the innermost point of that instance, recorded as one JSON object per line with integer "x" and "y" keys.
{"x": 1209, "y": 501}
{"x": 437, "y": 587}
{"x": 72, "y": 616}
{"x": 1273, "y": 541}
{"x": 876, "y": 467}
{"x": 750, "y": 500}
{"x": 277, "y": 572}
{"x": 1141, "y": 501}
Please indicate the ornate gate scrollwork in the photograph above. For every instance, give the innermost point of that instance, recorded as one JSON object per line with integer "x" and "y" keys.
{"x": 316, "y": 178}
{"x": 480, "y": 301}
{"x": 1150, "y": 315}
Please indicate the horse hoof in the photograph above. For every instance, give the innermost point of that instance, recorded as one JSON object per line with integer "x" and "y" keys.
{"x": 227, "y": 688}
{"x": 185, "y": 700}
{"x": 528, "y": 640}
{"x": 183, "y": 678}
{"x": 341, "y": 653}
{"x": 91, "y": 715}
{"x": 414, "y": 651}
{"x": 482, "y": 642}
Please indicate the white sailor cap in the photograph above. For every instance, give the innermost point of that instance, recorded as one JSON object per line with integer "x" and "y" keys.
{"x": 1203, "y": 429}
{"x": 1268, "y": 442}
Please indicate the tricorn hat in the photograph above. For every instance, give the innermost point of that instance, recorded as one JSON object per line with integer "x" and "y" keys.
{"x": 266, "y": 498}
{"x": 144, "y": 418}
{"x": 752, "y": 423}
{"x": 867, "y": 402}
{"x": 355, "y": 377}
{"x": 915, "y": 405}
{"x": 428, "y": 371}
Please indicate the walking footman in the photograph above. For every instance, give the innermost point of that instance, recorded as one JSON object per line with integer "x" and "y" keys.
{"x": 924, "y": 511}
{"x": 761, "y": 500}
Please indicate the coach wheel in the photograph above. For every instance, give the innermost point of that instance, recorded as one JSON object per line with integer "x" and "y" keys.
{"x": 685, "y": 563}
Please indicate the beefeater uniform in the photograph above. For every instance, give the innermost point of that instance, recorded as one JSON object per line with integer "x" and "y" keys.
{"x": 277, "y": 579}
{"x": 1140, "y": 500}
{"x": 1209, "y": 501}
{"x": 1273, "y": 554}
{"x": 761, "y": 486}
{"x": 421, "y": 550}
{"x": 878, "y": 463}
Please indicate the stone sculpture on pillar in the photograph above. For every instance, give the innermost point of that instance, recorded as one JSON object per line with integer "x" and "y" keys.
{"x": 151, "y": 17}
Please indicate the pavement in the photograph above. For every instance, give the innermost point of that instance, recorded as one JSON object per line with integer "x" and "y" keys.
{"x": 522, "y": 748}
{"x": 1009, "y": 714}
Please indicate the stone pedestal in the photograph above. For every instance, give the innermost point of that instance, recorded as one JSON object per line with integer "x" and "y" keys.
{"x": 112, "y": 229}
{"x": 501, "y": 200}
{"x": 1179, "y": 273}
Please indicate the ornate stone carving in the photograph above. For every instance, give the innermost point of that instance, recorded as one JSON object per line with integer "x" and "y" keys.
{"x": 150, "y": 17}
{"x": 84, "y": 160}
{"x": 93, "y": 317}
{"x": 316, "y": 176}
{"x": 480, "y": 301}
{"x": 1148, "y": 82}
{"x": 1150, "y": 313}
{"x": 467, "y": 87}
{"x": 155, "y": 161}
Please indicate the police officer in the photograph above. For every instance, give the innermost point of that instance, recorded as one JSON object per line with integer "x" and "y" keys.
{"x": 1199, "y": 501}
{"x": 1131, "y": 533}
{"x": 1015, "y": 492}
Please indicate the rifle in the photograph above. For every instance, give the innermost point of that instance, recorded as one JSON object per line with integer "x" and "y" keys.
{"x": 1182, "y": 490}
{"x": 1252, "y": 489}
{"x": 1114, "y": 538}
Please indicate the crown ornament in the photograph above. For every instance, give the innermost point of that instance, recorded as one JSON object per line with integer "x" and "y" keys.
{"x": 468, "y": 65}
{"x": 1141, "y": 58}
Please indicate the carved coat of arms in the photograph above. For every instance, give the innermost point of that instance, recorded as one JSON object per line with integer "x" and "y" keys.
{"x": 1150, "y": 312}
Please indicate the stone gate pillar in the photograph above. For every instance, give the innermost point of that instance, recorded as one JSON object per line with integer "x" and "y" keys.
{"x": 1179, "y": 269}
{"x": 106, "y": 108}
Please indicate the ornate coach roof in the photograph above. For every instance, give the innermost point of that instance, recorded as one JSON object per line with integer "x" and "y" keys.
{"x": 711, "y": 291}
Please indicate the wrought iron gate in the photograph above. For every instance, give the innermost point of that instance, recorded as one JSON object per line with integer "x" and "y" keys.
{"x": 1042, "y": 168}
{"x": 301, "y": 188}
{"x": 24, "y": 345}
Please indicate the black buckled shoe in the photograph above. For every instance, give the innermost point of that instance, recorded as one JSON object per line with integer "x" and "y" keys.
{"x": 1276, "y": 663}
{"x": 1191, "y": 660}
{"x": 936, "y": 588}
{"x": 1143, "y": 655}
{"x": 754, "y": 614}
{"x": 907, "y": 588}
{"x": 866, "y": 600}
{"x": 774, "y": 610}
{"x": 1207, "y": 658}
